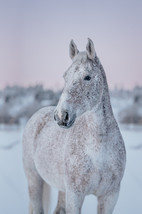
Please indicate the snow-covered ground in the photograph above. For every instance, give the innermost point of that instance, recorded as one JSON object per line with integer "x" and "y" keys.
{"x": 13, "y": 184}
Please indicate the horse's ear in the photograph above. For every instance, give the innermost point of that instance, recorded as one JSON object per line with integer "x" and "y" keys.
{"x": 90, "y": 49}
{"x": 73, "y": 51}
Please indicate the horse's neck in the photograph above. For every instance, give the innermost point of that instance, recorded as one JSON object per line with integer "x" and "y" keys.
{"x": 103, "y": 114}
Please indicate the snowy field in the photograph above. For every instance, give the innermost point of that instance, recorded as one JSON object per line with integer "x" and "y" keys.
{"x": 13, "y": 184}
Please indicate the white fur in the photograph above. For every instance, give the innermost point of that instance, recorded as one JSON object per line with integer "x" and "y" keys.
{"x": 88, "y": 157}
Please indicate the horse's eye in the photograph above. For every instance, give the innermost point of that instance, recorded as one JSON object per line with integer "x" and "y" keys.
{"x": 87, "y": 78}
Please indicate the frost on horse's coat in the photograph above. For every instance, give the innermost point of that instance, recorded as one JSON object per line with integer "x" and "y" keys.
{"x": 77, "y": 146}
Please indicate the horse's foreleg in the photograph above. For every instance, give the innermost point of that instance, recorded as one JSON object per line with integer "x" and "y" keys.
{"x": 60, "y": 209}
{"x": 74, "y": 202}
{"x": 107, "y": 203}
{"x": 35, "y": 187}
{"x": 30, "y": 208}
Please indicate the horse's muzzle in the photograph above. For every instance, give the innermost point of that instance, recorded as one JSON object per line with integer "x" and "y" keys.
{"x": 65, "y": 121}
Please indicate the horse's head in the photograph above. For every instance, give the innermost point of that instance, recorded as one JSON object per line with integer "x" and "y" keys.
{"x": 83, "y": 85}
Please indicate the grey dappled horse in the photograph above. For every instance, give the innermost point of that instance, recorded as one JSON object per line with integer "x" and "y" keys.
{"x": 77, "y": 146}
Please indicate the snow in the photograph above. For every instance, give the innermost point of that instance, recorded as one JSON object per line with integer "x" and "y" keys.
{"x": 13, "y": 190}
{"x": 13, "y": 183}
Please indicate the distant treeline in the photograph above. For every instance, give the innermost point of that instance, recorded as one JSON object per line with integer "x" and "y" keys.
{"x": 17, "y": 104}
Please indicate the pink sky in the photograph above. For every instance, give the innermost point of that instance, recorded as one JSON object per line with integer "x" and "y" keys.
{"x": 35, "y": 36}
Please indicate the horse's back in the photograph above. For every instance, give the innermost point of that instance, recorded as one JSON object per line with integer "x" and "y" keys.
{"x": 43, "y": 147}
{"x": 38, "y": 121}
{"x": 33, "y": 128}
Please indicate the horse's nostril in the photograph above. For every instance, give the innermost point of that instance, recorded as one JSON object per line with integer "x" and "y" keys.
{"x": 66, "y": 117}
{"x": 55, "y": 117}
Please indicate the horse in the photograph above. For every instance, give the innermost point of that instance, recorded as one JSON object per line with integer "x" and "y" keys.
{"x": 76, "y": 146}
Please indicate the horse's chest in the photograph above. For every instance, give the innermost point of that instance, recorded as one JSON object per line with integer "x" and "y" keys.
{"x": 87, "y": 164}
{"x": 84, "y": 155}
{"x": 85, "y": 146}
